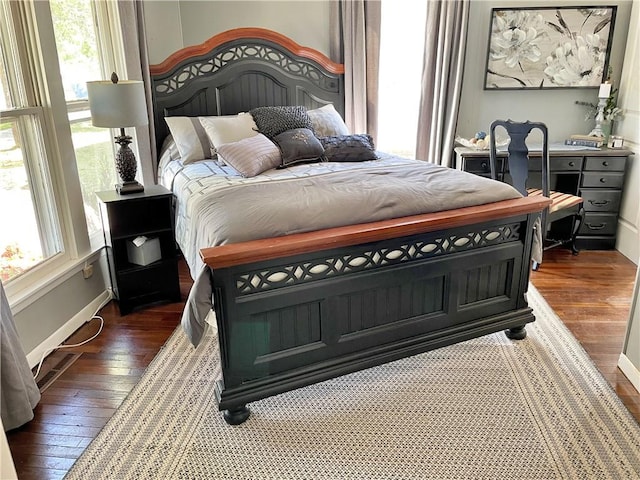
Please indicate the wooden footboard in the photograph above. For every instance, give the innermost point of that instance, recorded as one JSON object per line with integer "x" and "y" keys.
{"x": 300, "y": 309}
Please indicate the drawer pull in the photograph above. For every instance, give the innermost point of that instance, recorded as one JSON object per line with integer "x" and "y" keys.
{"x": 598, "y": 203}
{"x": 484, "y": 165}
{"x": 605, "y": 164}
{"x": 603, "y": 180}
{"x": 572, "y": 164}
{"x": 596, "y": 226}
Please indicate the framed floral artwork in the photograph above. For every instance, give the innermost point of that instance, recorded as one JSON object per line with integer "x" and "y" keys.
{"x": 542, "y": 47}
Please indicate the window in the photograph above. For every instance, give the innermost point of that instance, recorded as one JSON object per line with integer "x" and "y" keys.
{"x": 401, "y": 38}
{"x": 31, "y": 231}
{"x": 78, "y": 56}
{"x": 52, "y": 161}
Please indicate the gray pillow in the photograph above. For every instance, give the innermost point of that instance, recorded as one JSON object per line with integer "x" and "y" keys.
{"x": 298, "y": 145}
{"x": 272, "y": 121}
{"x": 348, "y": 148}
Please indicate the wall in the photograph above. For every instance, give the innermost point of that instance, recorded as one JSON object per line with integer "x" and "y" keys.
{"x": 628, "y": 232}
{"x": 629, "y": 127}
{"x": 45, "y": 322}
{"x": 555, "y": 107}
{"x": 172, "y": 24}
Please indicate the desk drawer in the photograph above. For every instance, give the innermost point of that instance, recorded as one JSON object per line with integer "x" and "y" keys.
{"x": 602, "y": 179}
{"x": 599, "y": 224}
{"x": 557, "y": 164}
{"x": 611, "y": 164}
{"x": 601, "y": 200}
{"x": 481, "y": 165}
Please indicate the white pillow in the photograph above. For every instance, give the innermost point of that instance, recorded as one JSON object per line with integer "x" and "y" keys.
{"x": 190, "y": 138}
{"x": 228, "y": 129}
{"x": 251, "y": 156}
{"x": 327, "y": 122}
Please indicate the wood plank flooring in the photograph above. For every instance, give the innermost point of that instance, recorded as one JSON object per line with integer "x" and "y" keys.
{"x": 590, "y": 292}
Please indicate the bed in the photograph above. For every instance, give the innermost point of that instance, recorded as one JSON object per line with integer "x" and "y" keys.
{"x": 308, "y": 295}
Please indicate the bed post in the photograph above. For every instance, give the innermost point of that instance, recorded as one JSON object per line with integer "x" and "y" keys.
{"x": 519, "y": 332}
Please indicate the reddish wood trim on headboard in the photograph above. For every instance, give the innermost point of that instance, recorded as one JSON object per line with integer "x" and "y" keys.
{"x": 246, "y": 32}
{"x": 277, "y": 247}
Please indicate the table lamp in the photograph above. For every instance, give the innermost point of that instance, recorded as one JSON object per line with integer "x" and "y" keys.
{"x": 119, "y": 104}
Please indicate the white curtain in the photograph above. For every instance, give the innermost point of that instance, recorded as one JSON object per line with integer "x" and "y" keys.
{"x": 356, "y": 43}
{"x": 445, "y": 45}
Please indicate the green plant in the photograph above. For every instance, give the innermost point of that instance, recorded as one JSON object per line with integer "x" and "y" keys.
{"x": 611, "y": 111}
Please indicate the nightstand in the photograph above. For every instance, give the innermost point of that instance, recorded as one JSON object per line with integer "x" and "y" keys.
{"x": 124, "y": 219}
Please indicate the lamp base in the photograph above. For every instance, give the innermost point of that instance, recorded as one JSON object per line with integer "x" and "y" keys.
{"x": 126, "y": 188}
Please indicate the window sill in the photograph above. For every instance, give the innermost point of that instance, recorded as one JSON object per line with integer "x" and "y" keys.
{"x": 37, "y": 284}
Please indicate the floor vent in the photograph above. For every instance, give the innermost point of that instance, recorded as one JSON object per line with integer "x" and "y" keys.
{"x": 56, "y": 370}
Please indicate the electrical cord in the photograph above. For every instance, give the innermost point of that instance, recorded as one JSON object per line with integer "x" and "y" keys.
{"x": 49, "y": 350}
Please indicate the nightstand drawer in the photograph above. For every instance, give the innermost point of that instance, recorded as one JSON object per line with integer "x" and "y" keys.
{"x": 611, "y": 164}
{"x": 602, "y": 179}
{"x": 599, "y": 224}
{"x": 601, "y": 200}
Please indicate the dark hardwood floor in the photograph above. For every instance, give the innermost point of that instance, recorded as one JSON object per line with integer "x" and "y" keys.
{"x": 591, "y": 293}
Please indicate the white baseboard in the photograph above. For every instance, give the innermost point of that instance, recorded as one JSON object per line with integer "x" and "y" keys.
{"x": 65, "y": 331}
{"x": 627, "y": 240}
{"x": 630, "y": 371}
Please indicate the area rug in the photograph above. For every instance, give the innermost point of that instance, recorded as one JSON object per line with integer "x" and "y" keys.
{"x": 488, "y": 408}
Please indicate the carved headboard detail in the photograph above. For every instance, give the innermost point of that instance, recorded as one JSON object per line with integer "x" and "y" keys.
{"x": 241, "y": 69}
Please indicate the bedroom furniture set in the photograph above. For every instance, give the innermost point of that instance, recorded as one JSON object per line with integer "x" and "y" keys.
{"x": 329, "y": 267}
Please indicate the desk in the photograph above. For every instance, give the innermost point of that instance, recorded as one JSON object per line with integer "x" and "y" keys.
{"x": 596, "y": 175}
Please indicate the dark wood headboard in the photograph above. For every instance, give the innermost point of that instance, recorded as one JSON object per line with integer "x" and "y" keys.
{"x": 241, "y": 69}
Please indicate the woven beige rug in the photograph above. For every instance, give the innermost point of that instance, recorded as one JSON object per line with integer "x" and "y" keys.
{"x": 489, "y": 408}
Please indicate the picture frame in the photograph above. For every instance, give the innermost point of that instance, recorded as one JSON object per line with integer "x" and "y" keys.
{"x": 549, "y": 47}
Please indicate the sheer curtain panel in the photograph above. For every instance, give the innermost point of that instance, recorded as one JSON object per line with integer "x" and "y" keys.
{"x": 445, "y": 45}
{"x": 137, "y": 61}
{"x": 356, "y": 43}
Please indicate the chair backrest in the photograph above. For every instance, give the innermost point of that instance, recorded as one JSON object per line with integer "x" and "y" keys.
{"x": 518, "y": 153}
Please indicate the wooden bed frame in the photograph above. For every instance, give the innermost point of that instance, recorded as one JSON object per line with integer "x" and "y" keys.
{"x": 300, "y": 309}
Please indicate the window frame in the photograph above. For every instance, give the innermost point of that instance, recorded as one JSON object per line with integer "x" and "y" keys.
{"x": 31, "y": 24}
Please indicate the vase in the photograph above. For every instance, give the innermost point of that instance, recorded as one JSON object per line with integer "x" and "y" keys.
{"x": 607, "y": 128}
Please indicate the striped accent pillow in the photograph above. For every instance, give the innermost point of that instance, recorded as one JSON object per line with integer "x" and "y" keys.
{"x": 190, "y": 137}
{"x": 228, "y": 129}
{"x": 251, "y": 156}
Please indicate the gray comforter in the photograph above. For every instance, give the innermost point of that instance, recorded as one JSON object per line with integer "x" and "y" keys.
{"x": 374, "y": 191}
{"x": 283, "y": 207}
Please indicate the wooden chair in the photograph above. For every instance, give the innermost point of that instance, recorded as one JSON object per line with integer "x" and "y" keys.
{"x": 522, "y": 171}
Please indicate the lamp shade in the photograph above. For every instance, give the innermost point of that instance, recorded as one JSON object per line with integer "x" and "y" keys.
{"x": 117, "y": 105}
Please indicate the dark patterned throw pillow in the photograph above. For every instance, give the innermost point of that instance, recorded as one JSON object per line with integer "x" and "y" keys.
{"x": 298, "y": 145}
{"x": 348, "y": 148}
{"x": 272, "y": 121}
